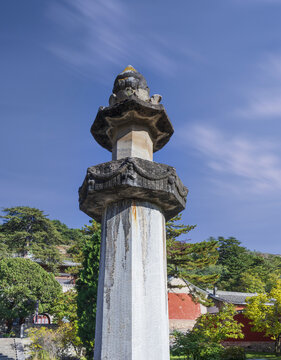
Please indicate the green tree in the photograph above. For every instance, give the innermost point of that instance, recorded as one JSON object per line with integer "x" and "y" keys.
{"x": 245, "y": 270}
{"x": 53, "y": 344}
{"x": 73, "y": 242}
{"x": 264, "y": 311}
{"x": 251, "y": 282}
{"x": 69, "y": 236}
{"x": 204, "y": 341}
{"x": 235, "y": 260}
{"x": 189, "y": 261}
{"x": 195, "y": 346}
{"x": 220, "y": 326}
{"x": 22, "y": 284}
{"x": 64, "y": 311}
{"x": 4, "y": 249}
{"x": 271, "y": 281}
{"x": 64, "y": 308}
{"x": 87, "y": 285}
{"x": 267, "y": 268}
{"x": 28, "y": 232}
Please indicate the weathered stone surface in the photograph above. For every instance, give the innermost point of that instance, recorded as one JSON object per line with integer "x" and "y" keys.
{"x": 132, "y": 311}
{"x": 132, "y": 178}
{"x": 131, "y": 82}
{"x": 127, "y": 83}
{"x": 130, "y": 111}
{"x": 133, "y": 141}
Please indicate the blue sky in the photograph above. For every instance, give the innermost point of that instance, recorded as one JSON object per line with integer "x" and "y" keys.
{"x": 217, "y": 65}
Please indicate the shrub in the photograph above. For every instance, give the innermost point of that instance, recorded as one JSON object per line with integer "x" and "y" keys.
{"x": 234, "y": 353}
{"x": 195, "y": 346}
{"x": 60, "y": 343}
{"x": 43, "y": 345}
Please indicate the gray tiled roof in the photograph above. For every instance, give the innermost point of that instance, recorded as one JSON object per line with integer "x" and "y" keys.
{"x": 237, "y": 298}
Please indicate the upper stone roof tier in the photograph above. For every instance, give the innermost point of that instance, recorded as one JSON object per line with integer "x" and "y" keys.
{"x": 131, "y": 104}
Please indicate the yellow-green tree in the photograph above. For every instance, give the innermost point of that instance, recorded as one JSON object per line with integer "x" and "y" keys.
{"x": 264, "y": 311}
{"x": 65, "y": 315}
{"x": 204, "y": 341}
{"x": 220, "y": 326}
{"x": 251, "y": 282}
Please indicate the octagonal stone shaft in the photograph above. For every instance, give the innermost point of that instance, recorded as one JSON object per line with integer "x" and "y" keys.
{"x": 132, "y": 141}
{"x": 132, "y": 313}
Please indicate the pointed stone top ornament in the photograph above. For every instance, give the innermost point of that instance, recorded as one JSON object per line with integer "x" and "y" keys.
{"x": 130, "y": 105}
{"x": 130, "y": 82}
{"x": 129, "y": 68}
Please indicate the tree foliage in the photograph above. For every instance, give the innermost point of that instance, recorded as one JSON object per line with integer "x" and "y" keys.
{"x": 53, "y": 344}
{"x": 245, "y": 270}
{"x": 68, "y": 235}
{"x": 189, "y": 261}
{"x": 251, "y": 282}
{"x": 204, "y": 341}
{"x": 87, "y": 286}
{"x": 64, "y": 308}
{"x": 264, "y": 311}
{"x": 64, "y": 311}
{"x": 234, "y": 259}
{"x": 22, "y": 284}
{"x": 29, "y": 233}
{"x": 220, "y": 326}
{"x": 195, "y": 346}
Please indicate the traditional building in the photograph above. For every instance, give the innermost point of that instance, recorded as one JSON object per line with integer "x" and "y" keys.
{"x": 252, "y": 339}
{"x": 183, "y": 307}
{"x": 184, "y": 311}
{"x": 66, "y": 280}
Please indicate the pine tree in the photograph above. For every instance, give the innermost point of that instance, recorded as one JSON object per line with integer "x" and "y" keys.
{"x": 29, "y": 233}
{"x": 189, "y": 261}
{"x": 235, "y": 260}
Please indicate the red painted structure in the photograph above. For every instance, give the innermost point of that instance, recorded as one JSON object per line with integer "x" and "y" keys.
{"x": 184, "y": 311}
{"x": 249, "y": 335}
{"x": 182, "y": 306}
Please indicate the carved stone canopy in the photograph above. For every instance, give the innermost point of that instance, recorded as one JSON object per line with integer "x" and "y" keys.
{"x": 132, "y": 111}
{"x": 131, "y": 105}
{"x": 132, "y": 178}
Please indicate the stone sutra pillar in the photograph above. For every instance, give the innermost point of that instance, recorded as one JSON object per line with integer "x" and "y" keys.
{"x": 132, "y": 197}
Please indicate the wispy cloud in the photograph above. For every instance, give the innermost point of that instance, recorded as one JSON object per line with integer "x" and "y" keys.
{"x": 256, "y": 163}
{"x": 264, "y": 106}
{"x": 95, "y": 34}
{"x": 264, "y": 99}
